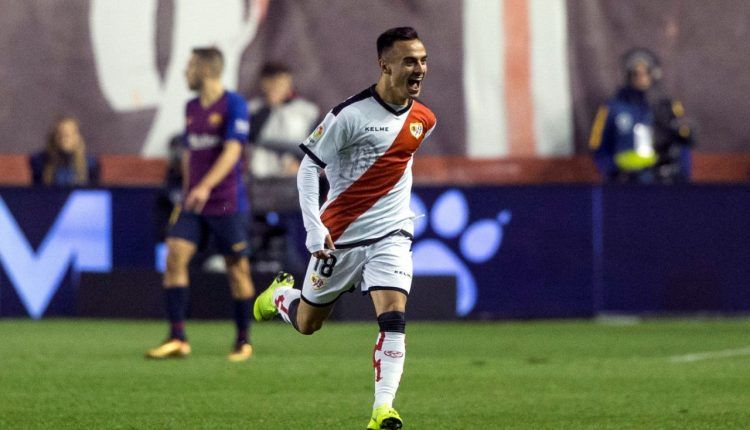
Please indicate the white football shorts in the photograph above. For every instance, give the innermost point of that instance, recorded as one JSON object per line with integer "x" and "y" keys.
{"x": 383, "y": 265}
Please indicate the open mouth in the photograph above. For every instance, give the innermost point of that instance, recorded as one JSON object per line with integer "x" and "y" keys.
{"x": 414, "y": 84}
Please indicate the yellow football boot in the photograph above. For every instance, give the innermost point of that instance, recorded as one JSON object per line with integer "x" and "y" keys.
{"x": 264, "y": 308}
{"x": 385, "y": 417}
{"x": 243, "y": 353}
{"x": 172, "y": 348}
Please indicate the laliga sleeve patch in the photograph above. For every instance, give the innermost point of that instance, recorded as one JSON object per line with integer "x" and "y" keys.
{"x": 315, "y": 135}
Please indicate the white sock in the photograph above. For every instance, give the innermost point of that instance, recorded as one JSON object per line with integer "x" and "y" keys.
{"x": 282, "y": 298}
{"x": 388, "y": 360}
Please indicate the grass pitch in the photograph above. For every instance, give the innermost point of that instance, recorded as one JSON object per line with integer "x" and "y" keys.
{"x": 76, "y": 374}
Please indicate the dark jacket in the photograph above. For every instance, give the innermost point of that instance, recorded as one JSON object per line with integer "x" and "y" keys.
{"x": 631, "y": 122}
{"x": 65, "y": 174}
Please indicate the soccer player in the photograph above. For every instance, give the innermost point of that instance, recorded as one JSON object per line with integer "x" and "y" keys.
{"x": 215, "y": 202}
{"x": 362, "y": 235}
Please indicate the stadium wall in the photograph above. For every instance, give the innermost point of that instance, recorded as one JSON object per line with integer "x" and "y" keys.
{"x": 507, "y": 79}
{"x": 133, "y": 170}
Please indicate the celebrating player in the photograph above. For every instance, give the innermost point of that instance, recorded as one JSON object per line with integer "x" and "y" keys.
{"x": 216, "y": 203}
{"x": 362, "y": 235}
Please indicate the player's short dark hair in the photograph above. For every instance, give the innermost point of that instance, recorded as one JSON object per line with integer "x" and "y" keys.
{"x": 270, "y": 70}
{"x": 211, "y": 56}
{"x": 393, "y": 35}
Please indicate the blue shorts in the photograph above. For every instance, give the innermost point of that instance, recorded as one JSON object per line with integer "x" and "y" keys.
{"x": 229, "y": 231}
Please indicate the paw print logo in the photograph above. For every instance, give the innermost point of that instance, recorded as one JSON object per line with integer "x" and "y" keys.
{"x": 477, "y": 242}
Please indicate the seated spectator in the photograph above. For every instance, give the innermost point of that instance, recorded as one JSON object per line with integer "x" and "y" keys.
{"x": 64, "y": 161}
{"x": 280, "y": 121}
{"x": 641, "y": 135}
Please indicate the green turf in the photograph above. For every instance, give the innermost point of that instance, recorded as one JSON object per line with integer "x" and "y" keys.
{"x": 84, "y": 374}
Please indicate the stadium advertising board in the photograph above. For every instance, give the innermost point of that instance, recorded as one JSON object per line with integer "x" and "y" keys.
{"x": 515, "y": 252}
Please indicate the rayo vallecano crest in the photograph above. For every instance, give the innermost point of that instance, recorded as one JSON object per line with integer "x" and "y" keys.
{"x": 416, "y": 129}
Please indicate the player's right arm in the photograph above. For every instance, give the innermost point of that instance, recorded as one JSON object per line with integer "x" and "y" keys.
{"x": 318, "y": 239}
{"x": 321, "y": 148}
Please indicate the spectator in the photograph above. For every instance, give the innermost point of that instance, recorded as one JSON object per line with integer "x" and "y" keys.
{"x": 641, "y": 135}
{"x": 281, "y": 120}
{"x": 64, "y": 161}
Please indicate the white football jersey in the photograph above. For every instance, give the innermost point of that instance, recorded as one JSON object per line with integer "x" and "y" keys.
{"x": 366, "y": 148}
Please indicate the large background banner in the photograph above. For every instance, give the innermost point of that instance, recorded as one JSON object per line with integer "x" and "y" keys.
{"x": 512, "y": 78}
{"x": 703, "y": 49}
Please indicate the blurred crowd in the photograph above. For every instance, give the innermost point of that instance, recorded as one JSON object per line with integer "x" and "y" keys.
{"x": 280, "y": 120}
{"x": 641, "y": 135}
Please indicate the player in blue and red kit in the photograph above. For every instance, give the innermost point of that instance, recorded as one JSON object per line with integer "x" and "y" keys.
{"x": 215, "y": 202}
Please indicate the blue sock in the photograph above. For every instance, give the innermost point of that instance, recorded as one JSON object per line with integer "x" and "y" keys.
{"x": 176, "y": 301}
{"x": 242, "y": 309}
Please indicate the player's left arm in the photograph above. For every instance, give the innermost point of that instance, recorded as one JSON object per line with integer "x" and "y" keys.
{"x": 235, "y": 135}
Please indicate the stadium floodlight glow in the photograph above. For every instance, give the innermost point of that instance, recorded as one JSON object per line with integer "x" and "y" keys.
{"x": 81, "y": 236}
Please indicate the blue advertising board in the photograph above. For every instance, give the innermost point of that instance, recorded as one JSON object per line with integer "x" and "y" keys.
{"x": 675, "y": 249}
{"x": 517, "y": 252}
{"x": 553, "y": 251}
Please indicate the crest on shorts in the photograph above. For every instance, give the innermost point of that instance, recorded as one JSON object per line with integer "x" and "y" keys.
{"x": 317, "y": 281}
{"x": 416, "y": 129}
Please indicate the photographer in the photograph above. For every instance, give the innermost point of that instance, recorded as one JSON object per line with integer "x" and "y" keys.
{"x": 641, "y": 135}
